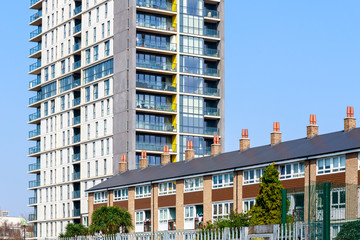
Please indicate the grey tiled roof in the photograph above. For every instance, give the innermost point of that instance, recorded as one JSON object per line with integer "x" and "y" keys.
{"x": 295, "y": 149}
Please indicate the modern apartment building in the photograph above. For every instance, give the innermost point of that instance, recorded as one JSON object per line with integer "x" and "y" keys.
{"x": 182, "y": 195}
{"x": 116, "y": 78}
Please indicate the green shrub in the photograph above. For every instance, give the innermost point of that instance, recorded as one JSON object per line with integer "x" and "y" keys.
{"x": 349, "y": 231}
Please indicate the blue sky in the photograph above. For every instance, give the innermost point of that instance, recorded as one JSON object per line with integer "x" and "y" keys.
{"x": 285, "y": 60}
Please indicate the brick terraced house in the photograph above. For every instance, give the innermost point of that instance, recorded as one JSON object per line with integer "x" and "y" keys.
{"x": 181, "y": 195}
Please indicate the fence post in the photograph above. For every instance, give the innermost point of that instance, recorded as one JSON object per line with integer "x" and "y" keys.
{"x": 226, "y": 234}
{"x": 283, "y": 206}
{"x": 326, "y": 211}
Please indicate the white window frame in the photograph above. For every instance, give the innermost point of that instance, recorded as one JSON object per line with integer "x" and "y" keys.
{"x": 297, "y": 170}
{"x": 139, "y": 217}
{"x": 121, "y": 194}
{"x": 248, "y": 203}
{"x": 100, "y": 197}
{"x": 143, "y": 192}
{"x": 257, "y": 173}
{"x": 194, "y": 184}
{"x": 167, "y": 188}
{"x": 334, "y": 165}
{"x": 222, "y": 205}
{"x": 223, "y": 180}
{"x": 189, "y": 216}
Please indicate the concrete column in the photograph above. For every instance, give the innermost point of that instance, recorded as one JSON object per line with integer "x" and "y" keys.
{"x": 180, "y": 205}
{"x": 351, "y": 180}
{"x": 154, "y": 208}
{"x": 90, "y": 206}
{"x": 207, "y": 198}
{"x": 309, "y": 191}
{"x": 238, "y": 183}
{"x": 131, "y": 205}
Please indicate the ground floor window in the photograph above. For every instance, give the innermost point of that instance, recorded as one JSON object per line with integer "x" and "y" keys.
{"x": 222, "y": 209}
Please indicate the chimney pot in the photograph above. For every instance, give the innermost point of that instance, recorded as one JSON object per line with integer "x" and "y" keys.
{"x": 312, "y": 130}
{"x": 122, "y": 164}
{"x": 244, "y": 141}
{"x": 216, "y": 147}
{"x": 165, "y": 157}
{"x": 189, "y": 152}
{"x": 276, "y": 134}
{"x": 143, "y": 162}
{"x": 244, "y": 133}
{"x": 349, "y": 121}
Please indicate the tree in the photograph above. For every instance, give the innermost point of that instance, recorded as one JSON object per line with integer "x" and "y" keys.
{"x": 349, "y": 231}
{"x": 109, "y": 220}
{"x": 74, "y": 230}
{"x": 10, "y": 230}
{"x": 267, "y": 208}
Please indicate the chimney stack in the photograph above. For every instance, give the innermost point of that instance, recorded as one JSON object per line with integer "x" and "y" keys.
{"x": 189, "y": 152}
{"x": 143, "y": 163}
{"x": 165, "y": 156}
{"x": 216, "y": 147}
{"x": 349, "y": 121}
{"x": 313, "y": 129}
{"x": 244, "y": 141}
{"x": 276, "y": 134}
{"x": 122, "y": 164}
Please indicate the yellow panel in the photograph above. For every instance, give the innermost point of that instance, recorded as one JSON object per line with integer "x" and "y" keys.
{"x": 174, "y": 81}
{"x": 174, "y": 5}
{"x": 174, "y": 143}
{"x": 173, "y": 159}
{"x": 173, "y": 107}
{"x": 173, "y": 62}
{"x": 173, "y": 121}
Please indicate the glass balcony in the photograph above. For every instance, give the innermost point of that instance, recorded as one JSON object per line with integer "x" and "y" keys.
{"x": 76, "y": 138}
{"x": 77, "y": 28}
{"x": 211, "y": 111}
{"x": 211, "y": 131}
{"x": 76, "y": 120}
{"x": 34, "y": 66}
{"x": 34, "y": 133}
{"x": 208, "y": 151}
{"x": 34, "y": 82}
{"x": 32, "y": 200}
{"x": 166, "y": 86}
{"x": 77, "y": 10}
{"x": 155, "y": 147}
{"x": 76, "y": 175}
{"x": 211, "y": 52}
{"x": 77, "y": 64}
{"x": 213, "y": 72}
{"x": 211, "y": 33}
{"x": 34, "y": 183}
{"x": 169, "y": 6}
{"x": 76, "y": 157}
{"x": 168, "y": 127}
{"x": 200, "y": 90}
{"x": 157, "y": 65}
{"x": 35, "y": 99}
{"x": 32, "y": 217}
{"x": 77, "y": 46}
{"x": 34, "y": 150}
{"x": 36, "y": 16}
{"x": 34, "y": 116}
{"x": 156, "y": 45}
{"x": 211, "y": 13}
{"x": 156, "y": 25}
{"x": 34, "y": 166}
{"x": 76, "y": 194}
{"x": 35, "y": 49}
{"x": 32, "y": 2}
{"x": 76, "y": 213}
{"x": 76, "y": 101}
{"x": 36, "y": 32}
{"x": 159, "y": 106}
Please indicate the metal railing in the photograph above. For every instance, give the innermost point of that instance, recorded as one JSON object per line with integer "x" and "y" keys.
{"x": 166, "y": 86}
{"x": 34, "y": 66}
{"x": 36, "y": 32}
{"x": 77, "y": 28}
{"x": 169, "y": 26}
{"x": 32, "y": 200}
{"x": 155, "y": 147}
{"x": 76, "y": 157}
{"x": 168, "y": 5}
{"x": 156, "y": 45}
{"x": 157, "y": 65}
{"x": 36, "y": 16}
{"x": 34, "y": 133}
{"x": 168, "y": 127}
{"x": 158, "y": 106}
{"x": 34, "y": 166}
{"x": 77, "y": 10}
{"x": 34, "y": 183}
{"x": 34, "y": 150}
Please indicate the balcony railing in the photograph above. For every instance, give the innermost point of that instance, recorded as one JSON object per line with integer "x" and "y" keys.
{"x": 211, "y": 131}
{"x": 168, "y": 127}
{"x": 77, "y": 10}
{"x": 36, "y": 16}
{"x": 34, "y": 166}
{"x": 169, "y": 6}
{"x": 76, "y": 101}
{"x": 76, "y": 120}
{"x": 35, "y": 99}
{"x": 34, "y": 133}
{"x": 32, "y": 200}
{"x": 77, "y": 64}
{"x": 77, "y": 46}
{"x": 200, "y": 90}
{"x": 76, "y": 157}
{"x": 77, "y": 28}
{"x": 211, "y": 13}
{"x": 76, "y": 194}
{"x": 156, "y": 45}
{"x": 32, "y": 217}
{"x": 213, "y": 72}
{"x": 155, "y": 147}
{"x": 34, "y": 116}
{"x": 34, "y": 66}
{"x": 35, "y": 82}
{"x": 35, "y": 49}
{"x": 159, "y": 106}
{"x": 36, "y": 32}
{"x": 160, "y": 26}
{"x": 32, "y": 2}
{"x": 166, "y": 86}
{"x": 157, "y": 65}
{"x": 76, "y": 138}
{"x": 211, "y": 33}
{"x": 76, "y": 175}
{"x": 76, "y": 213}
{"x": 211, "y": 111}
{"x": 34, "y": 150}
{"x": 211, "y": 52}
{"x": 34, "y": 183}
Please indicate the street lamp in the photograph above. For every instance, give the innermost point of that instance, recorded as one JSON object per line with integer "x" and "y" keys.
{"x": 24, "y": 224}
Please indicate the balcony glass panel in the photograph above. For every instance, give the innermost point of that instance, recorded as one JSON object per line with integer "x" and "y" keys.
{"x": 77, "y": 28}
{"x": 166, "y": 86}
{"x": 34, "y": 166}
{"x": 76, "y": 212}
{"x": 156, "y": 45}
{"x": 76, "y": 194}
{"x": 36, "y": 32}
{"x": 77, "y": 64}
{"x": 32, "y": 217}
{"x": 32, "y": 200}
{"x": 77, "y": 10}
{"x": 34, "y": 133}
{"x": 211, "y": 111}
{"x": 34, "y": 150}
{"x": 36, "y": 16}
{"x": 155, "y": 126}
{"x": 35, "y": 49}
{"x": 34, "y": 82}
{"x": 34, "y": 116}
{"x": 76, "y": 175}
{"x": 76, "y": 157}
{"x": 34, "y": 66}
{"x": 34, "y": 183}
{"x": 159, "y": 106}
{"x": 211, "y": 13}
{"x": 76, "y": 138}
{"x": 35, "y": 99}
{"x": 76, "y": 101}
{"x": 211, "y": 131}
{"x": 76, "y": 120}
{"x": 77, "y": 46}
{"x": 155, "y": 147}
{"x": 155, "y": 22}
{"x": 157, "y": 4}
